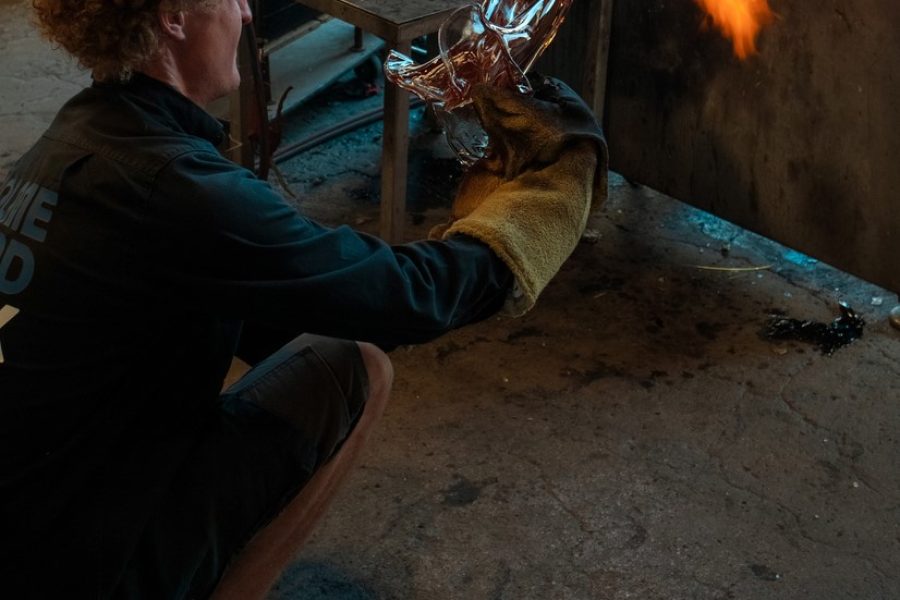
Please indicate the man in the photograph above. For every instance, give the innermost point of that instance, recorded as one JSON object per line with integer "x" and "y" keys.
{"x": 136, "y": 262}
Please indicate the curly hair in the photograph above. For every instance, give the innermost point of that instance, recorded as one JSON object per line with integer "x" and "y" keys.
{"x": 112, "y": 38}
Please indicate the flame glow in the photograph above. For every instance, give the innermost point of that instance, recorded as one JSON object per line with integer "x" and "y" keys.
{"x": 739, "y": 20}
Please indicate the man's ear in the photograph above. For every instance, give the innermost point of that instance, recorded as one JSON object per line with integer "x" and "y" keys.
{"x": 171, "y": 24}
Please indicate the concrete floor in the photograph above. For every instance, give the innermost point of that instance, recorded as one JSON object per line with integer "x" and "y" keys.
{"x": 631, "y": 437}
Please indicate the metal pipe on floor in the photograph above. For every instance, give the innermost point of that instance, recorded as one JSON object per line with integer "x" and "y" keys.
{"x": 329, "y": 133}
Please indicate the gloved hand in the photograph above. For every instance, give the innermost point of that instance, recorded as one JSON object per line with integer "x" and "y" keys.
{"x": 529, "y": 132}
{"x": 530, "y": 199}
{"x": 526, "y": 133}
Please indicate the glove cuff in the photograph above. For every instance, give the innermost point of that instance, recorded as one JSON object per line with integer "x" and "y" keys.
{"x": 534, "y": 222}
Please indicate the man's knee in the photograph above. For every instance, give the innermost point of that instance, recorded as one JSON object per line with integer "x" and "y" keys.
{"x": 314, "y": 384}
{"x": 380, "y": 373}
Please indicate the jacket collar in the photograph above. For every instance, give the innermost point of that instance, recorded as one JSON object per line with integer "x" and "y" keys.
{"x": 168, "y": 106}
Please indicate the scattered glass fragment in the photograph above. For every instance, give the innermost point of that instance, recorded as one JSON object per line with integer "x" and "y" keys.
{"x": 765, "y": 573}
{"x": 895, "y": 317}
{"x": 591, "y": 236}
{"x": 877, "y": 301}
{"x": 847, "y": 328}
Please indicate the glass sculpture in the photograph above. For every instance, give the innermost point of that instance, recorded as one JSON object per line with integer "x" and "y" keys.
{"x": 495, "y": 42}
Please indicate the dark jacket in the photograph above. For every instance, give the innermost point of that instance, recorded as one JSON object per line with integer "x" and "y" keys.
{"x": 130, "y": 253}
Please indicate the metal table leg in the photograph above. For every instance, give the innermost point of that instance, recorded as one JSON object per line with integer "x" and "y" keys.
{"x": 394, "y": 155}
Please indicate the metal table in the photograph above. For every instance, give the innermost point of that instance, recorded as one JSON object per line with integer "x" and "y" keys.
{"x": 398, "y": 23}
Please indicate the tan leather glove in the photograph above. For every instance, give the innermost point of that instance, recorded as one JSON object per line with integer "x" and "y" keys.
{"x": 530, "y": 200}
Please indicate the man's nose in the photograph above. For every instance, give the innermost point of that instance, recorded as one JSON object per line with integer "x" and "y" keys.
{"x": 246, "y": 13}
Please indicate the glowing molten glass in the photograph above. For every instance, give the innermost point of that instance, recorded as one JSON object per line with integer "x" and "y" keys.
{"x": 739, "y": 20}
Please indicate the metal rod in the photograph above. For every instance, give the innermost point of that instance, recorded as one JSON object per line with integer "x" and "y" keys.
{"x": 329, "y": 133}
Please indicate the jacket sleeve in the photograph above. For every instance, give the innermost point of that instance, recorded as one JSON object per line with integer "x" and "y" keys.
{"x": 223, "y": 239}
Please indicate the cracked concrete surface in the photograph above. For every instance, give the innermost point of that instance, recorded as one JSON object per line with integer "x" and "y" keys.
{"x": 631, "y": 437}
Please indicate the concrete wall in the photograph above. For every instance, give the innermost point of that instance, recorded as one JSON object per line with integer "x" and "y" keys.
{"x": 799, "y": 143}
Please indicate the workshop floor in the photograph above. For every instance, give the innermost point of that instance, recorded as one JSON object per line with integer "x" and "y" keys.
{"x": 631, "y": 437}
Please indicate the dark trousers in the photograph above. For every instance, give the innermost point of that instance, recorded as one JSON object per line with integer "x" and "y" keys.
{"x": 275, "y": 427}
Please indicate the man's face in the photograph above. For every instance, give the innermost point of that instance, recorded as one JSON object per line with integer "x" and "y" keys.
{"x": 213, "y": 34}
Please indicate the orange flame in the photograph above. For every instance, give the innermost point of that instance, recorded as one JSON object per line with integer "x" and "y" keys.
{"x": 740, "y": 20}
